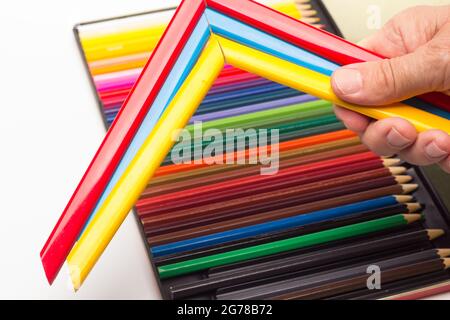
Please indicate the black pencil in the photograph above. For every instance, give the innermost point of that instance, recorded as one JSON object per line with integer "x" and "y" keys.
{"x": 293, "y": 232}
{"x": 327, "y": 283}
{"x": 286, "y": 265}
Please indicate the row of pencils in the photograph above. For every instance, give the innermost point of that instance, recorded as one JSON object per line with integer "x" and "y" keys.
{"x": 310, "y": 231}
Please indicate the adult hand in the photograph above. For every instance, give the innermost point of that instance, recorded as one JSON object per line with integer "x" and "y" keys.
{"x": 417, "y": 43}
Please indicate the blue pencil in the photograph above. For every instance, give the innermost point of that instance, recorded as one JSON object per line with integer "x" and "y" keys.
{"x": 286, "y": 223}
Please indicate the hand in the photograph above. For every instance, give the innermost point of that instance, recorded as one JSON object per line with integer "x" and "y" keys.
{"x": 417, "y": 41}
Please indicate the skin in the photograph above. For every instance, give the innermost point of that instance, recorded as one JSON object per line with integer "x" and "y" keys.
{"x": 417, "y": 45}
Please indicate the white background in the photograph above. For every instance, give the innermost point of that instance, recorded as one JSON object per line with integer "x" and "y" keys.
{"x": 50, "y": 127}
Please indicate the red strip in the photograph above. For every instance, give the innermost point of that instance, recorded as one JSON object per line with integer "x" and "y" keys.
{"x": 119, "y": 137}
{"x": 318, "y": 41}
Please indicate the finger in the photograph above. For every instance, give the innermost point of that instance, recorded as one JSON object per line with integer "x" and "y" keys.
{"x": 407, "y": 31}
{"x": 389, "y": 80}
{"x": 445, "y": 164}
{"x": 389, "y": 136}
{"x": 432, "y": 146}
{"x": 352, "y": 120}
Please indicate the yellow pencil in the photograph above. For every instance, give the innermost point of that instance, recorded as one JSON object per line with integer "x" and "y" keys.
{"x": 319, "y": 85}
{"x": 145, "y": 39}
{"x": 134, "y": 180}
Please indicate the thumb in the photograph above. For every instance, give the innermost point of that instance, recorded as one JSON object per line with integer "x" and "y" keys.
{"x": 389, "y": 80}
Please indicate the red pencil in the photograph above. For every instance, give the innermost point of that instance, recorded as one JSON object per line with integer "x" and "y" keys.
{"x": 119, "y": 136}
{"x": 240, "y": 187}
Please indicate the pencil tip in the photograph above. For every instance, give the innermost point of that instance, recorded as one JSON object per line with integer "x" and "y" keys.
{"x": 403, "y": 198}
{"x": 446, "y": 263}
{"x": 397, "y": 170}
{"x": 413, "y": 206}
{"x": 391, "y": 162}
{"x": 434, "y": 233}
{"x": 443, "y": 252}
{"x": 403, "y": 179}
{"x": 408, "y": 188}
{"x": 412, "y": 217}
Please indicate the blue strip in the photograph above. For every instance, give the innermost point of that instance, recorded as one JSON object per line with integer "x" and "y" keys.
{"x": 258, "y": 229}
{"x": 245, "y": 34}
{"x": 175, "y": 79}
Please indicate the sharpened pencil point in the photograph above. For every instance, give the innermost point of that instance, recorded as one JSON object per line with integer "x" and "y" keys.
{"x": 408, "y": 188}
{"x": 403, "y": 179}
{"x": 403, "y": 198}
{"x": 412, "y": 217}
{"x": 397, "y": 170}
{"x": 435, "y": 233}
{"x": 75, "y": 276}
{"x": 391, "y": 162}
{"x": 443, "y": 253}
{"x": 413, "y": 207}
{"x": 446, "y": 263}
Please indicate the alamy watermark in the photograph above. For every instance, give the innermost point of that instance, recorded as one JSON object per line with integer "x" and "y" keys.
{"x": 374, "y": 280}
{"x": 201, "y": 145}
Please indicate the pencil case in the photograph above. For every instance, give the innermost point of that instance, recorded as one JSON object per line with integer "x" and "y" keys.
{"x": 286, "y": 92}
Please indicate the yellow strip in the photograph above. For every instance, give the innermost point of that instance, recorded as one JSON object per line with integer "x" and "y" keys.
{"x": 145, "y": 39}
{"x": 110, "y": 216}
{"x": 319, "y": 85}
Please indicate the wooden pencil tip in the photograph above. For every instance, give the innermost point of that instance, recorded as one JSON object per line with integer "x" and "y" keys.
{"x": 397, "y": 170}
{"x": 403, "y": 198}
{"x": 413, "y": 207}
{"x": 310, "y": 20}
{"x": 75, "y": 276}
{"x": 435, "y": 233}
{"x": 303, "y": 5}
{"x": 443, "y": 253}
{"x": 446, "y": 263}
{"x": 302, "y": 1}
{"x": 412, "y": 217}
{"x": 408, "y": 188}
{"x": 403, "y": 179}
{"x": 308, "y": 13}
{"x": 391, "y": 162}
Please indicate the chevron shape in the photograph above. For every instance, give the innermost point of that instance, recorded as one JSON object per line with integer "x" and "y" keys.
{"x": 202, "y": 36}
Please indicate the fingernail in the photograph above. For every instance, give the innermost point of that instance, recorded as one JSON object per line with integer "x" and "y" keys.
{"x": 433, "y": 151}
{"x": 348, "y": 81}
{"x": 396, "y": 139}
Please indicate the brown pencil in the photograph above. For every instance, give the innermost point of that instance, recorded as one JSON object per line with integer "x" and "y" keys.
{"x": 273, "y": 214}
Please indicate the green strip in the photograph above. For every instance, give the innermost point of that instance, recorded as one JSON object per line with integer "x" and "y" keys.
{"x": 269, "y": 117}
{"x": 180, "y": 268}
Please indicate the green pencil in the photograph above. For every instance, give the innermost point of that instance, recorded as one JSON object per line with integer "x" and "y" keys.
{"x": 269, "y": 117}
{"x": 184, "y": 267}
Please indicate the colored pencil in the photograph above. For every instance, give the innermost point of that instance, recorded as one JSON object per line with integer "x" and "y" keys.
{"x": 296, "y": 263}
{"x": 331, "y": 282}
{"x": 240, "y": 187}
{"x": 285, "y": 245}
{"x": 305, "y": 80}
{"x": 274, "y": 214}
{"x": 283, "y": 191}
{"x": 123, "y": 196}
{"x": 289, "y": 233}
{"x": 119, "y": 136}
{"x": 303, "y": 35}
{"x": 153, "y": 214}
{"x": 275, "y": 225}
{"x": 213, "y": 174}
